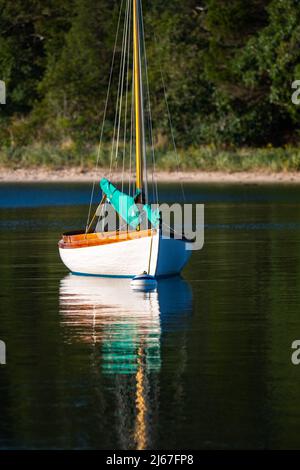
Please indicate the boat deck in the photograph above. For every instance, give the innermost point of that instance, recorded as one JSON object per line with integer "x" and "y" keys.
{"x": 82, "y": 240}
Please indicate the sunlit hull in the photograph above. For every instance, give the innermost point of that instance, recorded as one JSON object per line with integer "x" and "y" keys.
{"x": 149, "y": 253}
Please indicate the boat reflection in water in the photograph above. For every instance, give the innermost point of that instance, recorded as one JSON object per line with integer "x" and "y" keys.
{"x": 125, "y": 328}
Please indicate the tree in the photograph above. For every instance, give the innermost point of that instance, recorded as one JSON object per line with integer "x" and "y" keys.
{"x": 75, "y": 80}
{"x": 26, "y": 27}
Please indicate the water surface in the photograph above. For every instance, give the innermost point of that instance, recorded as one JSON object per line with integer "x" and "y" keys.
{"x": 202, "y": 363}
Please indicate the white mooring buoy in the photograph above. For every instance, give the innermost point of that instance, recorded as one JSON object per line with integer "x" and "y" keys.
{"x": 144, "y": 282}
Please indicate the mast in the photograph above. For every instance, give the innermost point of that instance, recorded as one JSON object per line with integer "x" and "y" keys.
{"x": 138, "y": 96}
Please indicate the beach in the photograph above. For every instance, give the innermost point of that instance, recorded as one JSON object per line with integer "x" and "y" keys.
{"x": 78, "y": 175}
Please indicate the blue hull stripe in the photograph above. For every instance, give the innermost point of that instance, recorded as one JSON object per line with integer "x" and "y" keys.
{"x": 109, "y": 276}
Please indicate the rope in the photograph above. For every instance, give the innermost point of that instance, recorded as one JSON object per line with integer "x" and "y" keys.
{"x": 131, "y": 139}
{"x": 118, "y": 95}
{"x": 171, "y": 228}
{"x": 126, "y": 99}
{"x": 95, "y": 214}
{"x": 124, "y": 54}
{"x": 150, "y": 255}
{"x": 171, "y": 124}
{"x": 104, "y": 114}
{"x": 154, "y": 180}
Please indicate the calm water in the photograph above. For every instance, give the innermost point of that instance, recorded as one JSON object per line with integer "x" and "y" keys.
{"x": 204, "y": 362}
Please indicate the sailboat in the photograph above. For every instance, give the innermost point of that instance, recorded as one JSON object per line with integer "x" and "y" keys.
{"x": 132, "y": 248}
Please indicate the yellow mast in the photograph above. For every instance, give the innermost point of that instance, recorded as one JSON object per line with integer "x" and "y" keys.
{"x": 138, "y": 96}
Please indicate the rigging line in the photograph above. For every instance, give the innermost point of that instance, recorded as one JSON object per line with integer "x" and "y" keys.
{"x": 170, "y": 122}
{"x": 132, "y": 159}
{"x": 144, "y": 154}
{"x": 131, "y": 137}
{"x": 126, "y": 100}
{"x": 154, "y": 180}
{"x": 124, "y": 54}
{"x": 117, "y": 103}
{"x": 104, "y": 114}
{"x": 150, "y": 253}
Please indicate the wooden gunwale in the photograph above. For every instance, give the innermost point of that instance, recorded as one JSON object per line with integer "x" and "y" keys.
{"x": 83, "y": 240}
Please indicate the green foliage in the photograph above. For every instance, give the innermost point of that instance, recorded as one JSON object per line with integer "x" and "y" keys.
{"x": 271, "y": 62}
{"x": 25, "y": 28}
{"x": 228, "y": 68}
{"x": 75, "y": 79}
{"x": 212, "y": 158}
{"x": 68, "y": 154}
{"x": 253, "y": 61}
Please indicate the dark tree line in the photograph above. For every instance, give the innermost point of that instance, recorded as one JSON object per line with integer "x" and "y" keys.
{"x": 228, "y": 66}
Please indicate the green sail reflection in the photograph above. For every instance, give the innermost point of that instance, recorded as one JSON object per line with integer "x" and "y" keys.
{"x": 125, "y": 329}
{"x": 126, "y": 324}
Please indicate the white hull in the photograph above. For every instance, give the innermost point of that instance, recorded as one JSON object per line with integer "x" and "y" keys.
{"x": 129, "y": 258}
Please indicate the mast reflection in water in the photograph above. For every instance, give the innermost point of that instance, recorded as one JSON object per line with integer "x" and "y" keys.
{"x": 125, "y": 328}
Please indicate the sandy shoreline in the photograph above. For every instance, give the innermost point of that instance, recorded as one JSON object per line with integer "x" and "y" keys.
{"x": 78, "y": 175}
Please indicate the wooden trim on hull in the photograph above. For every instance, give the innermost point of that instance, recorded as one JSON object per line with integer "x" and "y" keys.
{"x": 83, "y": 240}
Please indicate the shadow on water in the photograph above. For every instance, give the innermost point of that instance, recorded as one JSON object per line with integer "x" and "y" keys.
{"x": 125, "y": 329}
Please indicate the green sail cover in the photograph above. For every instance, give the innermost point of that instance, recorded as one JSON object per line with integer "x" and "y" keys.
{"x": 126, "y": 207}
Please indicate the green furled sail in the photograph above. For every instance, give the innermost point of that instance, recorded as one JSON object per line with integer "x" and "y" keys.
{"x": 126, "y": 207}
